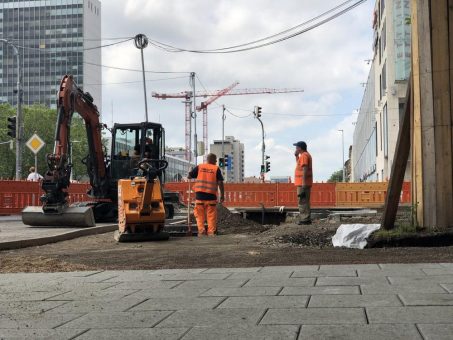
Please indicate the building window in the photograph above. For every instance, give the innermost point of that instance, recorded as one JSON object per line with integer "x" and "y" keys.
{"x": 380, "y": 125}
{"x": 384, "y": 36}
{"x": 384, "y": 78}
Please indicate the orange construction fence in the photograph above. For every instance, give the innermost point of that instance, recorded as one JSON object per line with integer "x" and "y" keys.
{"x": 16, "y": 195}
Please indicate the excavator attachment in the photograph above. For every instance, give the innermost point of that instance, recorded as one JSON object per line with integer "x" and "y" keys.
{"x": 141, "y": 209}
{"x": 81, "y": 217}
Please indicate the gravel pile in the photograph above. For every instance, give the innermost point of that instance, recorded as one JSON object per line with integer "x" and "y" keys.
{"x": 231, "y": 223}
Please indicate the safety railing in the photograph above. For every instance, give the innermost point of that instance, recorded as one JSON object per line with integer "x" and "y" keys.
{"x": 16, "y": 195}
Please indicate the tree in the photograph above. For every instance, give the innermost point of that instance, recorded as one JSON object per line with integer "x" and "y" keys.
{"x": 40, "y": 120}
{"x": 337, "y": 176}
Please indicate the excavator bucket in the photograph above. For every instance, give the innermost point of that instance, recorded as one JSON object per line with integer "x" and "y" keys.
{"x": 80, "y": 217}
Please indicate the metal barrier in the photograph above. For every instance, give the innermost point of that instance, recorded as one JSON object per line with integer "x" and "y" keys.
{"x": 16, "y": 195}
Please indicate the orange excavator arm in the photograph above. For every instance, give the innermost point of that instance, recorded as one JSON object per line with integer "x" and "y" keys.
{"x": 57, "y": 178}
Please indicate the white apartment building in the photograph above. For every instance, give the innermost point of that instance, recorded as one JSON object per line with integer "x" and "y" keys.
{"x": 378, "y": 123}
{"x": 235, "y": 151}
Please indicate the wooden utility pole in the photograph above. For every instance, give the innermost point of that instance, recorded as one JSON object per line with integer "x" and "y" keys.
{"x": 431, "y": 134}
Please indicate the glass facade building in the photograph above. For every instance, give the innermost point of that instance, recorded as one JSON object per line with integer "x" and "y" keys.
{"x": 54, "y": 37}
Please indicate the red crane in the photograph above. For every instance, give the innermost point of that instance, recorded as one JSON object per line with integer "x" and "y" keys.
{"x": 229, "y": 91}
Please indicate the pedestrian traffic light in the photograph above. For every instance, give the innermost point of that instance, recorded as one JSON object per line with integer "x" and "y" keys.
{"x": 268, "y": 166}
{"x": 227, "y": 160}
{"x": 222, "y": 163}
{"x": 258, "y": 111}
{"x": 12, "y": 127}
{"x": 262, "y": 169}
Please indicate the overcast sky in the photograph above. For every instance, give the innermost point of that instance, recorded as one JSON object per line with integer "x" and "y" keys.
{"x": 327, "y": 62}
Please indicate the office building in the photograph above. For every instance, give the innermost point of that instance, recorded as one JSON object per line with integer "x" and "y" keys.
{"x": 55, "y": 37}
{"x": 234, "y": 150}
{"x": 378, "y": 122}
{"x": 177, "y": 169}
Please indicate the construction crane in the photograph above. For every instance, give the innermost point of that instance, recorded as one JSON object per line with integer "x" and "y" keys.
{"x": 229, "y": 91}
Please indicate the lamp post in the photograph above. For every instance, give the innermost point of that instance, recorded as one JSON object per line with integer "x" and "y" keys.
{"x": 342, "y": 152}
{"x": 257, "y": 114}
{"x": 19, "y": 118}
{"x": 141, "y": 42}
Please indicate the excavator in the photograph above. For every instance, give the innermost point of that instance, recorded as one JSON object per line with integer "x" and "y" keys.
{"x": 128, "y": 180}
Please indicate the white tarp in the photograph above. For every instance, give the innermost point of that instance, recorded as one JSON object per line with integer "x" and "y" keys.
{"x": 353, "y": 235}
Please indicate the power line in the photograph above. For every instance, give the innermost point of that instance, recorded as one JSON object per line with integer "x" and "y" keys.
{"x": 108, "y": 45}
{"x": 136, "y": 81}
{"x": 234, "y": 49}
{"x": 134, "y": 70}
{"x": 237, "y": 116}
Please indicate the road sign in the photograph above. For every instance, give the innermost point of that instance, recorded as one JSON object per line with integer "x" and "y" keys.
{"x": 35, "y": 143}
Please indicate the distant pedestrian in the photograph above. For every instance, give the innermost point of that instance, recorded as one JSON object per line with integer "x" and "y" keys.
{"x": 33, "y": 175}
{"x": 208, "y": 181}
{"x": 303, "y": 180}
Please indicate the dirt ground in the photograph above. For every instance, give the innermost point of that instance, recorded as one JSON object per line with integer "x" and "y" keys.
{"x": 239, "y": 244}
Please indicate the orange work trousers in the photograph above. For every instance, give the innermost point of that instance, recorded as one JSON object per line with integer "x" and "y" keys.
{"x": 203, "y": 209}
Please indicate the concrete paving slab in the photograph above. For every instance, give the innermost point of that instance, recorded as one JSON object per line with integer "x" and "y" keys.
{"x": 436, "y": 331}
{"x": 179, "y": 303}
{"x": 348, "y": 266}
{"x": 141, "y": 319}
{"x": 245, "y": 291}
{"x": 427, "y": 300}
{"x": 138, "y": 285}
{"x": 402, "y": 280}
{"x": 52, "y": 287}
{"x": 87, "y": 306}
{"x": 35, "y": 320}
{"x": 272, "y": 269}
{"x": 234, "y": 283}
{"x": 265, "y": 302}
{"x": 26, "y": 296}
{"x": 324, "y": 290}
{"x": 273, "y": 282}
{"x": 403, "y": 271}
{"x": 134, "y": 333}
{"x": 232, "y": 270}
{"x": 40, "y": 334}
{"x": 181, "y": 276}
{"x": 359, "y": 332}
{"x": 232, "y": 318}
{"x": 325, "y": 272}
{"x": 354, "y": 301}
{"x": 402, "y": 289}
{"x": 17, "y": 307}
{"x": 438, "y": 271}
{"x": 265, "y": 274}
{"x": 438, "y": 314}
{"x": 170, "y": 293}
{"x": 349, "y": 281}
{"x": 314, "y": 316}
{"x": 409, "y": 265}
{"x": 86, "y": 295}
{"x": 249, "y": 333}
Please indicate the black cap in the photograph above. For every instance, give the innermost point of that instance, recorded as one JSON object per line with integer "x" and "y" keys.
{"x": 301, "y": 144}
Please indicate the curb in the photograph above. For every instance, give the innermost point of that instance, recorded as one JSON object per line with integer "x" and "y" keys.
{"x": 57, "y": 238}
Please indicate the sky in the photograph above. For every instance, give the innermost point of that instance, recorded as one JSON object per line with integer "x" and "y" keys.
{"x": 328, "y": 63}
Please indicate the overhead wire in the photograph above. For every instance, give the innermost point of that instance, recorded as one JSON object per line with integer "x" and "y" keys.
{"x": 234, "y": 49}
{"x": 135, "y": 81}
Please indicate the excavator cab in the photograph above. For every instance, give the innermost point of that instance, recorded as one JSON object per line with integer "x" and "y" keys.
{"x": 133, "y": 142}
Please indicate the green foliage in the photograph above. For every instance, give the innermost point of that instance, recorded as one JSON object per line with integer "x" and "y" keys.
{"x": 42, "y": 121}
{"x": 337, "y": 176}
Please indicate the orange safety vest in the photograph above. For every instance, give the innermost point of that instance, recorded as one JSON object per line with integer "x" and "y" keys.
{"x": 299, "y": 173}
{"x": 207, "y": 179}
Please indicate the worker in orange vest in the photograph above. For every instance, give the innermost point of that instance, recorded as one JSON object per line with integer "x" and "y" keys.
{"x": 208, "y": 180}
{"x": 303, "y": 180}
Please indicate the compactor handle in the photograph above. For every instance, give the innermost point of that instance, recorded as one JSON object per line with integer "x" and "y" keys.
{"x": 162, "y": 164}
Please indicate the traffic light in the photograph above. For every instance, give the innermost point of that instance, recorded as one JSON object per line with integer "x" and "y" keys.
{"x": 227, "y": 161}
{"x": 268, "y": 166}
{"x": 262, "y": 168}
{"x": 222, "y": 163}
{"x": 267, "y": 157}
{"x": 258, "y": 111}
{"x": 12, "y": 127}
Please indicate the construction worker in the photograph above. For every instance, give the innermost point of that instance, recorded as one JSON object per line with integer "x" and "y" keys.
{"x": 303, "y": 180}
{"x": 208, "y": 180}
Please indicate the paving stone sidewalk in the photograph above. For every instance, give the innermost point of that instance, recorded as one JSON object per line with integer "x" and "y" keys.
{"x": 388, "y": 301}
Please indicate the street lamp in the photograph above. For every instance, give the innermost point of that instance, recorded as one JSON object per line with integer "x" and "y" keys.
{"x": 342, "y": 152}
{"x": 19, "y": 118}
